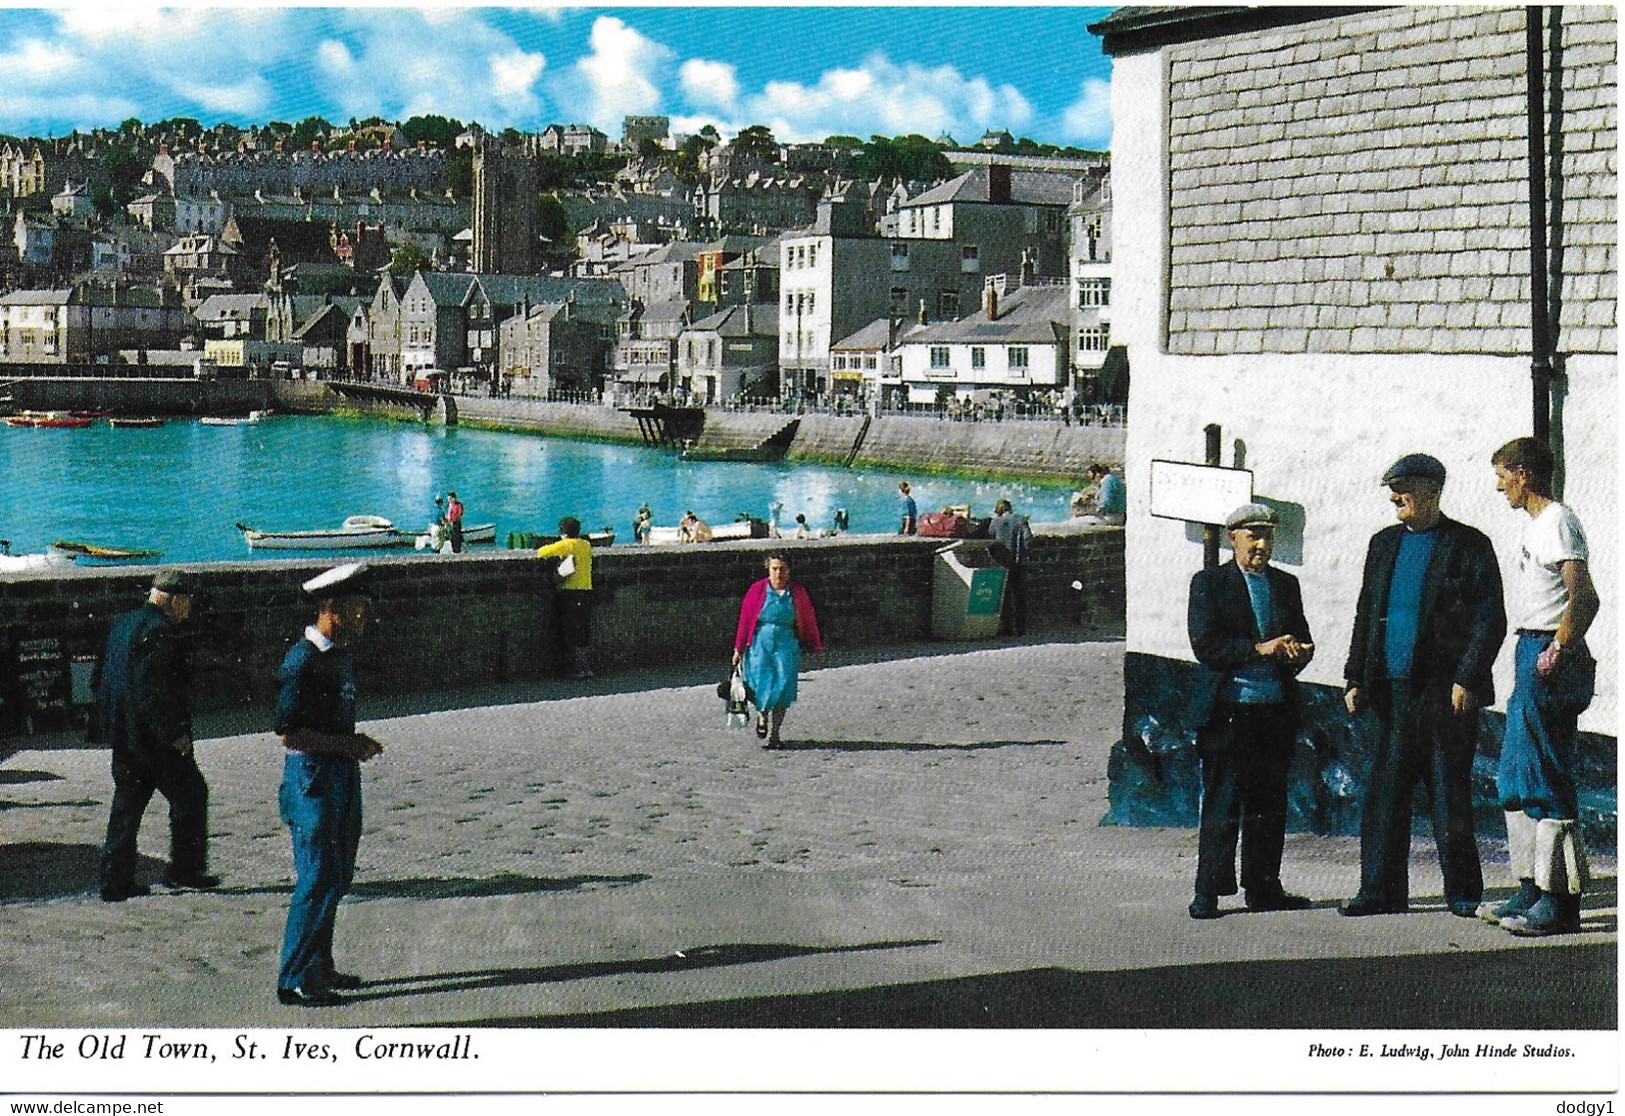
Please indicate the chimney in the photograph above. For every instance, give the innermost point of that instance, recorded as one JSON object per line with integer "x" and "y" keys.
{"x": 922, "y": 317}
{"x": 998, "y": 184}
{"x": 990, "y": 301}
{"x": 1027, "y": 267}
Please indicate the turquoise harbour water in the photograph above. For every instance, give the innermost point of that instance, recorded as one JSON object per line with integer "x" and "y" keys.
{"x": 180, "y": 488}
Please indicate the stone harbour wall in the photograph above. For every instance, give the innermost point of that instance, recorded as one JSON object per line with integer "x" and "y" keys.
{"x": 449, "y": 622}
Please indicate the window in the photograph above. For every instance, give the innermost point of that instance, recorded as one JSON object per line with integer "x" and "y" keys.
{"x": 948, "y": 304}
{"x": 1018, "y": 357}
{"x": 970, "y": 257}
{"x": 899, "y": 301}
{"x": 838, "y": 362}
{"x": 1095, "y": 339}
{"x": 899, "y": 255}
{"x": 810, "y": 302}
{"x": 869, "y": 363}
{"x": 812, "y": 255}
{"x": 939, "y": 356}
{"x": 978, "y": 357}
{"x": 1094, "y": 292}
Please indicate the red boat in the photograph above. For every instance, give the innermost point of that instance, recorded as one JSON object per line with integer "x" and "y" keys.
{"x": 55, "y": 419}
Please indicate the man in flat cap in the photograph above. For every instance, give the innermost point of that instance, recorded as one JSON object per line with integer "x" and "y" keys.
{"x": 1251, "y": 640}
{"x": 1426, "y": 631}
{"x": 143, "y": 712}
{"x": 320, "y": 798}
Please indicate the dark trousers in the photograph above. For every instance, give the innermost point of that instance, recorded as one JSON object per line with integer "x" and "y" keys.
{"x": 1419, "y": 738}
{"x": 1013, "y": 620}
{"x": 320, "y": 802}
{"x": 177, "y": 778}
{"x": 1246, "y": 751}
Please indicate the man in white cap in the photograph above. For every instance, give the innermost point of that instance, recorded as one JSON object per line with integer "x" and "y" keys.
{"x": 1250, "y": 638}
{"x": 143, "y": 713}
{"x": 320, "y": 798}
{"x": 1427, "y": 628}
{"x": 1554, "y": 676}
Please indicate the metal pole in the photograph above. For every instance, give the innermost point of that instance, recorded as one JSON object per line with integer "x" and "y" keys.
{"x": 1539, "y": 325}
{"x": 1210, "y": 531}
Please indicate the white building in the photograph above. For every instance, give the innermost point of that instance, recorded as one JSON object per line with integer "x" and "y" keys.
{"x": 1332, "y": 264}
{"x": 1017, "y": 343}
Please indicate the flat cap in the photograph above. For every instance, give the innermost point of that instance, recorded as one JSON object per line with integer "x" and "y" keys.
{"x": 1415, "y": 466}
{"x": 350, "y": 579}
{"x": 174, "y": 581}
{"x": 1251, "y": 515}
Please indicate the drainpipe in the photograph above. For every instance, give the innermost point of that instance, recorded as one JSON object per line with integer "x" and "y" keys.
{"x": 1539, "y": 305}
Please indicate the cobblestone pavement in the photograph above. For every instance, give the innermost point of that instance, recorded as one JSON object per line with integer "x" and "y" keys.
{"x": 925, "y": 853}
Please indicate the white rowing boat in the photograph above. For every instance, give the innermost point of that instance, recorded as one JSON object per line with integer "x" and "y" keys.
{"x": 437, "y": 538}
{"x": 356, "y": 531}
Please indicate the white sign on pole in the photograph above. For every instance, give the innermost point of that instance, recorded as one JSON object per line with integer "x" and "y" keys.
{"x": 1198, "y": 493}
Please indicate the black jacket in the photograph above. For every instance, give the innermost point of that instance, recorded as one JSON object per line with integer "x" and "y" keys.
{"x": 141, "y": 685}
{"x": 1224, "y": 632}
{"x": 1462, "y": 618}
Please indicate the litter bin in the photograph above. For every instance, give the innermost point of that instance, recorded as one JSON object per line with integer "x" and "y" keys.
{"x": 967, "y": 594}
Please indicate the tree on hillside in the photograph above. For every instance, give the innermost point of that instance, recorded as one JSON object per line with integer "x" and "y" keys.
{"x": 436, "y": 131}
{"x": 757, "y": 142}
{"x": 409, "y": 259}
{"x": 183, "y": 128}
{"x": 844, "y": 143}
{"x": 910, "y": 158}
{"x": 124, "y": 169}
{"x": 131, "y": 126}
{"x": 310, "y": 130}
{"x": 553, "y": 222}
{"x": 685, "y": 161}
{"x": 649, "y": 148}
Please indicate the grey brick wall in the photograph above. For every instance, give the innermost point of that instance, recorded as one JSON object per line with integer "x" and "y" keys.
{"x": 1359, "y": 185}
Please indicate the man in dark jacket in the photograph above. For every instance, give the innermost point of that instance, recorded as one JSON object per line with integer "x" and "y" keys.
{"x": 1426, "y": 631}
{"x": 1249, "y": 635}
{"x": 144, "y": 714}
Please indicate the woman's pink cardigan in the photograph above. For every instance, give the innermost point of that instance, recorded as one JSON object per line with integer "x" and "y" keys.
{"x": 751, "y": 611}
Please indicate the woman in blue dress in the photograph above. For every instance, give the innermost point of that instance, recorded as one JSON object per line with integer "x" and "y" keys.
{"x": 775, "y": 620}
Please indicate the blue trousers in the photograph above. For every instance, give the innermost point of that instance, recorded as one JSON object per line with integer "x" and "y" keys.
{"x": 320, "y": 802}
{"x": 1536, "y": 772}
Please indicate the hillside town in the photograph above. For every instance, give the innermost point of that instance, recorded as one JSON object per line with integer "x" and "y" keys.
{"x": 892, "y": 274}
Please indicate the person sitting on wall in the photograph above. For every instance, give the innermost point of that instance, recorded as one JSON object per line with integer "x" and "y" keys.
{"x": 1111, "y": 496}
{"x": 693, "y": 529}
{"x": 1250, "y": 637}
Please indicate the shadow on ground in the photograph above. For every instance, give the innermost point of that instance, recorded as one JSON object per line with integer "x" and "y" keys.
{"x": 1456, "y": 991}
{"x": 465, "y": 887}
{"x": 699, "y": 957}
{"x": 49, "y": 870}
{"x": 23, "y": 775}
{"x": 907, "y": 745}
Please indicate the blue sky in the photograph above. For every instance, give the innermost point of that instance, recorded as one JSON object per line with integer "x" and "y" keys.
{"x": 805, "y": 72}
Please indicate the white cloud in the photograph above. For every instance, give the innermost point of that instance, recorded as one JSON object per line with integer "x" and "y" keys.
{"x": 714, "y": 84}
{"x": 617, "y": 76}
{"x": 1088, "y": 120}
{"x": 882, "y": 96}
{"x": 514, "y": 73}
{"x": 249, "y": 98}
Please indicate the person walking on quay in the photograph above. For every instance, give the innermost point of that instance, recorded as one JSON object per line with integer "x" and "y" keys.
{"x": 1554, "y": 675}
{"x": 454, "y": 521}
{"x": 320, "y": 798}
{"x": 1251, "y": 640}
{"x": 1426, "y": 631}
{"x": 573, "y": 616}
{"x": 911, "y": 511}
{"x": 1012, "y": 537}
{"x": 775, "y": 620}
{"x": 143, "y": 713}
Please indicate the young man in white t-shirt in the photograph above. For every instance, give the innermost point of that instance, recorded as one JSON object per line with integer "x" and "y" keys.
{"x": 1552, "y": 604}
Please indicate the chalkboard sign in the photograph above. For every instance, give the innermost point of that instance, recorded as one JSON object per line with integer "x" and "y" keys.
{"x": 44, "y": 685}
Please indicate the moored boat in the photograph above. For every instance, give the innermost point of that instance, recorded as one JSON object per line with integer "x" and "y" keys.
{"x": 71, "y": 550}
{"x": 233, "y": 420}
{"x": 356, "y": 531}
{"x": 49, "y": 419}
{"x": 136, "y": 422}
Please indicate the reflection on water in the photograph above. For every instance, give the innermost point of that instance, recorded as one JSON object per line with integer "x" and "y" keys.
{"x": 180, "y": 488}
